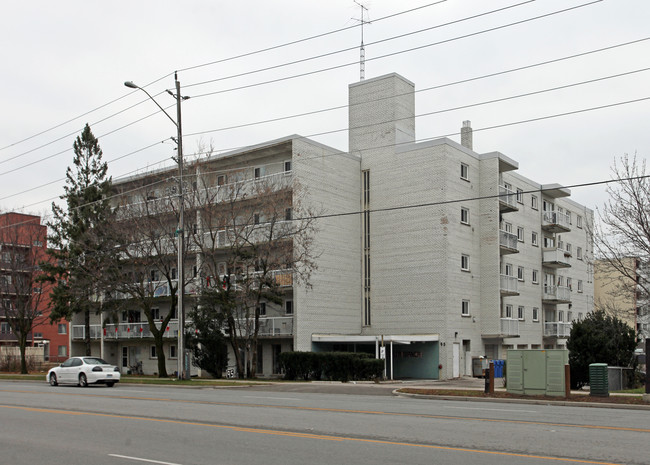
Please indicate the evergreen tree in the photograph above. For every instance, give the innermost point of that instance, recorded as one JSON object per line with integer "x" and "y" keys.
{"x": 599, "y": 338}
{"x": 81, "y": 241}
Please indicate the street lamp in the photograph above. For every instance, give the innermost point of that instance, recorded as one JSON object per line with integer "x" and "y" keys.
{"x": 180, "y": 232}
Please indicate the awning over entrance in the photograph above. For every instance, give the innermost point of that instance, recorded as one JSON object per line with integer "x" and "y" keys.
{"x": 384, "y": 349}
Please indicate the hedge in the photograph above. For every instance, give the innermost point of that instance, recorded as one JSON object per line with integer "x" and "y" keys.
{"x": 335, "y": 366}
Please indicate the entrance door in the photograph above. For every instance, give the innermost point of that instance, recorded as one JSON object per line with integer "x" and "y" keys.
{"x": 125, "y": 359}
{"x": 455, "y": 360}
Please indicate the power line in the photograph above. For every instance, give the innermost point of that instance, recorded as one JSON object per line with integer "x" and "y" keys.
{"x": 203, "y": 65}
{"x": 381, "y": 57}
{"x": 319, "y": 70}
{"x": 498, "y": 126}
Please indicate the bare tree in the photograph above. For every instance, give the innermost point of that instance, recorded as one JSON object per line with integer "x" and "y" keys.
{"x": 148, "y": 276}
{"x": 23, "y": 297}
{"x": 254, "y": 241}
{"x": 622, "y": 232}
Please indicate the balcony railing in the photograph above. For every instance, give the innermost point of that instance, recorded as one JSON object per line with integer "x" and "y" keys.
{"x": 250, "y": 187}
{"x": 508, "y": 242}
{"x": 138, "y": 330}
{"x": 555, "y": 258}
{"x": 557, "y": 329}
{"x": 556, "y": 222}
{"x": 507, "y": 199}
{"x": 509, "y": 326}
{"x": 509, "y": 285}
{"x": 556, "y": 294}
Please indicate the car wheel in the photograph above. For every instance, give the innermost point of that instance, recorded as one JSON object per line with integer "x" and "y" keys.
{"x": 83, "y": 381}
{"x": 53, "y": 381}
{"x": 110, "y": 384}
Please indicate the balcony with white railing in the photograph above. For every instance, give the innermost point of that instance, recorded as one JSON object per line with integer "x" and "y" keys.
{"x": 556, "y": 295}
{"x": 555, "y": 258}
{"x": 248, "y": 188}
{"x": 509, "y": 327}
{"x": 557, "y": 329}
{"x": 507, "y": 200}
{"x": 509, "y": 285}
{"x": 119, "y": 331}
{"x": 556, "y": 222}
{"x": 508, "y": 242}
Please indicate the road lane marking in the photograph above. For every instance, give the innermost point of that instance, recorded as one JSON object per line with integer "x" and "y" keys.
{"x": 332, "y": 410}
{"x": 323, "y": 437}
{"x": 138, "y": 459}
{"x": 272, "y": 398}
{"x": 492, "y": 409}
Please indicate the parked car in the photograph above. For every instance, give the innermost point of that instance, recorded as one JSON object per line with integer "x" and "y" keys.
{"x": 83, "y": 371}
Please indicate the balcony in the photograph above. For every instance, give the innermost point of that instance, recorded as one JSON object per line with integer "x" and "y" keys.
{"x": 555, "y": 222}
{"x": 276, "y": 326}
{"x": 248, "y": 188}
{"x": 555, "y": 258}
{"x": 507, "y": 200}
{"x": 557, "y": 329}
{"x": 508, "y": 242}
{"x": 510, "y": 327}
{"x": 140, "y": 330}
{"x": 509, "y": 285}
{"x": 556, "y": 295}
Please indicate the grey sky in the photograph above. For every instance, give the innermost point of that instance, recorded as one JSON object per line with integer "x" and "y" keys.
{"x": 64, "y": 59}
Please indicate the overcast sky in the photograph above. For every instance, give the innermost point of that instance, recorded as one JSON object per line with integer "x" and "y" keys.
{"x": 64, "y": 64}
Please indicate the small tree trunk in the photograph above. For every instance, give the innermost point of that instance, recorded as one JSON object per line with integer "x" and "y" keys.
{"x": 87, "y": 332}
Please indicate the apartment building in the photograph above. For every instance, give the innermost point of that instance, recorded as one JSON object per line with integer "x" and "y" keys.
{"x": 23, "y": 245}
{"x": 429, "y": 253}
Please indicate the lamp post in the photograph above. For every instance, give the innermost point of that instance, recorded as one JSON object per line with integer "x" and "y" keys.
{"x": 180, "y": 232}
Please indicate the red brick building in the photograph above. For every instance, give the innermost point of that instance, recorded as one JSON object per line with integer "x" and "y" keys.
{"x": 23, "y": 245}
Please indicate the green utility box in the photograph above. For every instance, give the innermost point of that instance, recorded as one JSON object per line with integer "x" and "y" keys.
{"x": 537, "y": 372}
{"x": 598, "y": 380}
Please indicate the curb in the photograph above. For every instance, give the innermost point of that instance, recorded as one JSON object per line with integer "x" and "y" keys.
{"x": 562, "y": 403}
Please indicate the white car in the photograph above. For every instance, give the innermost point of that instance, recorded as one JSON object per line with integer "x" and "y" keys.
{"x": 83, "y": 371}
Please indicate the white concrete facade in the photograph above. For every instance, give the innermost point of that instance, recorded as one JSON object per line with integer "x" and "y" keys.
{"x": 408, "y": 232}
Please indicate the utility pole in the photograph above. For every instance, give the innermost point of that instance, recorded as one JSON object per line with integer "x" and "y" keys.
{"x": 180, "y": 288}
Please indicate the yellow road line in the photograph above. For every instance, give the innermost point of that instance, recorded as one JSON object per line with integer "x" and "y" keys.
{"x": 308, "y": 436}
{"x": 363, "y": 412}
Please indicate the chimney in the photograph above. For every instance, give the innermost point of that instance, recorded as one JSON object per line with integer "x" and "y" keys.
{"x": 466, "y": 135}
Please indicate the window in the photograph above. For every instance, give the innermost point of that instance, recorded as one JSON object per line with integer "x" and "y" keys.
{"x": 173, "y": 273}
{"x": 508, "y": 227}
{"x": 560, "y": 243}
{"x": 38, "y": 244}
{"x": 549, "y": 243}
{"x": 520, "y": 313}
{"x": 155, "y": 313}
{"x": 262, "y": 309}
{"x": 221, "y": 180}
{"x": 520, "y": 234}
{"x": 464, "y": 215}
{"x": 520, "y": 273}
{"x": 533, "y": 239}
{"x": 287, "y": 165}
{"x": 569, "y": 317}
{"x": 172, "y": 351}
{"x": 535, "y": 277}
{"x": 579, "y": 285}
{"x": 520, "y": 196}
{"x": 509, "y": 269}
{"x": 569, "y": 282}
{"x": 288, "y": 307}
{"x": 533, "y": 202}
{"x": 152, "y": 352}
{"x": 464, "y": 171}
{"x": 568, "y": 248}
{"x": 62, "y": 351}
{"x": 63, "y": 328}
{"x": 288, "y": 214}
{"x": 258, "y": 173}
{"x": 464, "y": 308}
{"x": 5, "y": 328}
{"x": 569, "y": 217}
{"x": 579, "y": 253}
{"x": 560, "y": 315}
{"x": 256, "y": 218}
{"x": 508, "y": 311}
{"x": 464, "y": 262}
{"x": 535, "y": 314}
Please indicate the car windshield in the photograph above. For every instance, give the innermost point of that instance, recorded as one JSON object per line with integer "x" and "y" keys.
{"x": 95, "y": 361}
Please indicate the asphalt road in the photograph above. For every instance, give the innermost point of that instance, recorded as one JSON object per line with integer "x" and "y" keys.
{"x": 131, "y": 424}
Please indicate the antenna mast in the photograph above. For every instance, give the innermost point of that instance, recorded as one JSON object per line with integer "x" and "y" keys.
{"x": 362, "y": 50}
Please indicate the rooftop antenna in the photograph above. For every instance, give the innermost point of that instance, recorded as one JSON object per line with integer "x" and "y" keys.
{"x": 362, "y": 50}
